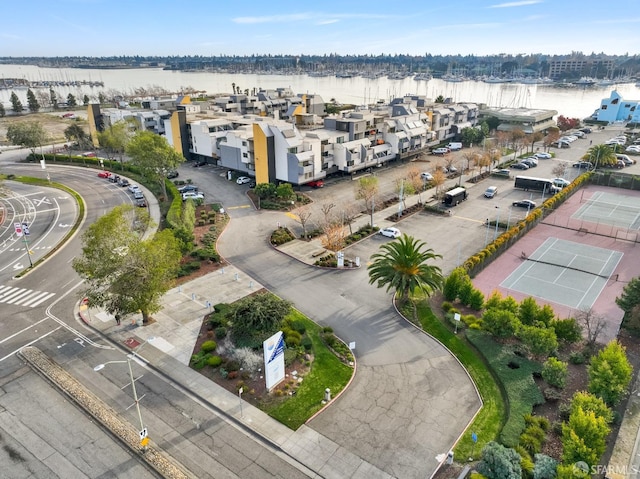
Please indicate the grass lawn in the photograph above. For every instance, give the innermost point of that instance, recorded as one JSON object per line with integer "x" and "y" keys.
{"x": 489, "y": 421}
{"x": 327, "y": 371}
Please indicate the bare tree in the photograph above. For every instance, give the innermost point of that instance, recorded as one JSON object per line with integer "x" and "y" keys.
{"x": 302, "y": 215}
{"x": 559, "y": 170}
{"x": 326, "y": 208}
{"x": 366, "y": 190}
{"x": 593, "y": 324}
{"x": 349, "y": 213}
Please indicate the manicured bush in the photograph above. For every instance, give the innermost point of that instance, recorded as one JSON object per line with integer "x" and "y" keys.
{"x": 499, "y": 462}
{"x": 452, "y": 284}
{"x": 610, "y": 373}
{"x": 465, "y": 291}
{"x": 567, "y": 330}
{"x": 539, "y": 341}
{"x": 577, "y": 358}
{"x": 208, "y": 346}
{"x": 187, "y": 268}
{"x": 214, "y": 361}
{"x": 501, "y": 323}
{"x": 476, "y": 300}
{"x": 545, "y": 467}
{"x": 554, "y": 372}
{"x": 306, "y": 343}
{"x": 446, "y": 306}
{"x": 290, "y": 355}
{"x": 281, "y": 236}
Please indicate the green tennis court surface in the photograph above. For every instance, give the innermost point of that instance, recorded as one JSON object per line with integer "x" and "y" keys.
{"x": 611, "y": 209}
{"x": 567, "y": 273}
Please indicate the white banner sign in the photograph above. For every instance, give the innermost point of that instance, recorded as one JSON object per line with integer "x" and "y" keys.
{"x": 273, "y": 359}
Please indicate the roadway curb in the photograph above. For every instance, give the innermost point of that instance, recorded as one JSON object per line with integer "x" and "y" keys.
{"x": 105, "y": 416}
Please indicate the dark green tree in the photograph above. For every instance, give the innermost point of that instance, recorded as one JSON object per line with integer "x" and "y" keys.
{"x": 402, "y": 265}
{"x": 257, "y": 317}
{"x": 54, "y": 98}
{"x": 499, "y": 462}
{"x": 101, "y": 98}
{"x": 71, "y": 101}
{"x": 629, "y": 301}
{"x": 2, "y": 110}
{"x": 123, "y": 273}
{"x": 115, "y": 138}
{"x": 75, "y": 133}
{"x": 16, "y": 104}
{"x": 86, "y": 100}
{"x": 28, "y": 134}
{"x": 500, "y": 322}
{"x": 32, "y": 101}
{"x": 601, "y": 155}
{"x": 153, "y": 155}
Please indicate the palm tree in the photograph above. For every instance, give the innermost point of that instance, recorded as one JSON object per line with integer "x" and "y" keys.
{"x": 402, "y": 265}
{"x": 601, "y": 155}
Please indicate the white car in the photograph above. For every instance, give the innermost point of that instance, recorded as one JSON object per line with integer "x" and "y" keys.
{"x": 491, "y": 192}
{"x": 560, "y": 182}
{"x": 426, "y": 176}
{"x": 243, "y": 179}
{"x": 133, "y": 188}
{"x": 543, "y": 156}
{"x": 192, "y": 195}
{"x": 391, "y": 232}
{"x": 633, "y": 149}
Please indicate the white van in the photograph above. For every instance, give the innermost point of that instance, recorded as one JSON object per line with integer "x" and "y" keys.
{"x": 454, "y": 146}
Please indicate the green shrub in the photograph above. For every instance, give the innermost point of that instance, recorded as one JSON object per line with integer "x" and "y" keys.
{"x": 222, "y": 308}
{"x": 453, "y": 282}
{"x": 214, "y": 361}
{"x": 208, "y": 346}
{"x": 281, "y": 236}
{"x": 217, "y": 319}
{"x": 567, "y": 330}
{"x": 306, "y": 343}
{"x": 327, "y": 329}
{"x": 232, "y": 365}
{"x": 446, "y": 306}
{"x": 554, "y": 372}
{"x": 465, "y": 291}
{"x": 206, "y": 254}
{"x": 476, "y": 300}
{"x": 577, "y": 358}
{"x": 199, "y": 360}
{"x": 221, "y": 332}
{"x": 290, "y": 355}
{"x": 298, "y": 326}
{"x": 187, "y": 268}
{"x": 545, "y": 467}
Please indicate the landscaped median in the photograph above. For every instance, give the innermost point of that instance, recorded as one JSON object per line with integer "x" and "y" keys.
{"x": 164, "y": 465}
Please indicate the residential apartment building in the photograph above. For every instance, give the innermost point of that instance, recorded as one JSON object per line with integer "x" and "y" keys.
{"x": 588, "y": 66}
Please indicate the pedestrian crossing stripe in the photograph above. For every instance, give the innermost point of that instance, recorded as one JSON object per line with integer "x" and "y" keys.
{"x": 23, "y": 297}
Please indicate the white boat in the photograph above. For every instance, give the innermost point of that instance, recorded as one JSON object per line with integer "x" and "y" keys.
{"x": 585, "y": 81}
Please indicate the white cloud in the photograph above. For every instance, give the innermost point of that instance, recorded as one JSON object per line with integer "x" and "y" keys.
{"x": 327, "y": 22}
{"x": 515, "y": 4}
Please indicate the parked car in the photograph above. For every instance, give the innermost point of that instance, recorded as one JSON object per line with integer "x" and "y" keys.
{"x": 491, "y": 192}
{"x": 133, "y": 188}
{"x": 316, "y": 184}
{"x": 560, "y": 182}
{"x": 586, "y": 130}
{"x": 104, "y": 174}
{"x": 198, "y": 163}
{"x": 520, "y": 166}
{"x": 501, "y": 172}
{"x": 172, "y": 174}
{"x": 633, "y": 149}
{"x": 426, "y": 176}
{"x": 450, "y": 169}
{"x": 252, "y": 184}
{"x": 440, "y": 151}
{"x": 529, "y": 162}
{"x": 192, "y": 195}
{"x": 390, "y": 232}
{"x": 123, "y": 182}
{"x": 187, "y": 188}
{"x": 627, "y": 161}
{"x": 543, "y": 155}
{"x": 583, "y": 164}
{"x": 243, "y": 179}
{"x": 114, "y": 178}
{"x": 525, "y": 204}
{"x": 579, "y": 134}
{"x": 142, "y": 203}
{"x": 138, "y": 194}
{"x": 89, "y": 154}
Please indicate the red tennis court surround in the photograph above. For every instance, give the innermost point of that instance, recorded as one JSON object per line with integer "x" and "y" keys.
{"x": 562, "y": 224}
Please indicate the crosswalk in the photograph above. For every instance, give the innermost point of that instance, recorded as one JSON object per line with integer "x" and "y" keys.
{"x": 23, "y": 297}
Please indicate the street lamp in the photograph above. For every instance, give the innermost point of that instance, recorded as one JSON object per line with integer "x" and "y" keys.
{"x": 144, "y": 438}
{"x": 495, "y": 235}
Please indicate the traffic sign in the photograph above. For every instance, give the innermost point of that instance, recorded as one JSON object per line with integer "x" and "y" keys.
{"x": 25, "y": 229}
{"x": 18, "y": 228}
{"x": 143, "y": 434}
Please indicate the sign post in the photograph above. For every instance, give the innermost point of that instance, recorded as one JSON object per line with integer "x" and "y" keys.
{"x": 456, "y": 318}
{"x": 474, "y": 438}
{"x": 240, "y": 391}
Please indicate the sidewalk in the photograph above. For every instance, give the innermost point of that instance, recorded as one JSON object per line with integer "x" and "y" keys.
{"x": 175, "y": 330}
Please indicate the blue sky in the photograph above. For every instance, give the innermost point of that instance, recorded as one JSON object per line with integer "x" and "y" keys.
{"x": 222, "y": 27}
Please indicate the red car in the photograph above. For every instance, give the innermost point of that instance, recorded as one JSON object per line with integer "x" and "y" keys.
{"x": 104, "y": 174}
{"x": 316, "y": 184}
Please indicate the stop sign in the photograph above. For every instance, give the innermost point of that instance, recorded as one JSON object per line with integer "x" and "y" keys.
{"x": 18, "y": 228}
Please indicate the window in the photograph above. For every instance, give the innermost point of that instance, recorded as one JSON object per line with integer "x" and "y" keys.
{"x": 603, "y": 107}
{"x": 339, "y": 140}
{"x": 293, "y": 150}
{"x": 245, "y": 155}
{"x": 244, "y": 143}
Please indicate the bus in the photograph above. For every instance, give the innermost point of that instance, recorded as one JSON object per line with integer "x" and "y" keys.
{"x": 454, "y": 196}
{"x": 537, "y": 184}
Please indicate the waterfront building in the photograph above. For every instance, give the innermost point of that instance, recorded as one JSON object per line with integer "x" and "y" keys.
{"x": 615, "y": 108}
{"x": 526, "y": 119}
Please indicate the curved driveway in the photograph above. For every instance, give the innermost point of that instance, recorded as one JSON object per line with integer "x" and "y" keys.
{"x": 410, "y": 398}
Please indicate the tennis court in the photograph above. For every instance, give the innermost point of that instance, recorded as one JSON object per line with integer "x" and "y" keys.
{"x": 611, "y": 209}
{"x": 565, "y": 272}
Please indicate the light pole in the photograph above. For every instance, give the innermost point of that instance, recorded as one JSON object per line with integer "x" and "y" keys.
{"x": 144, "y": 438}
{"x": 495, "y": 235}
